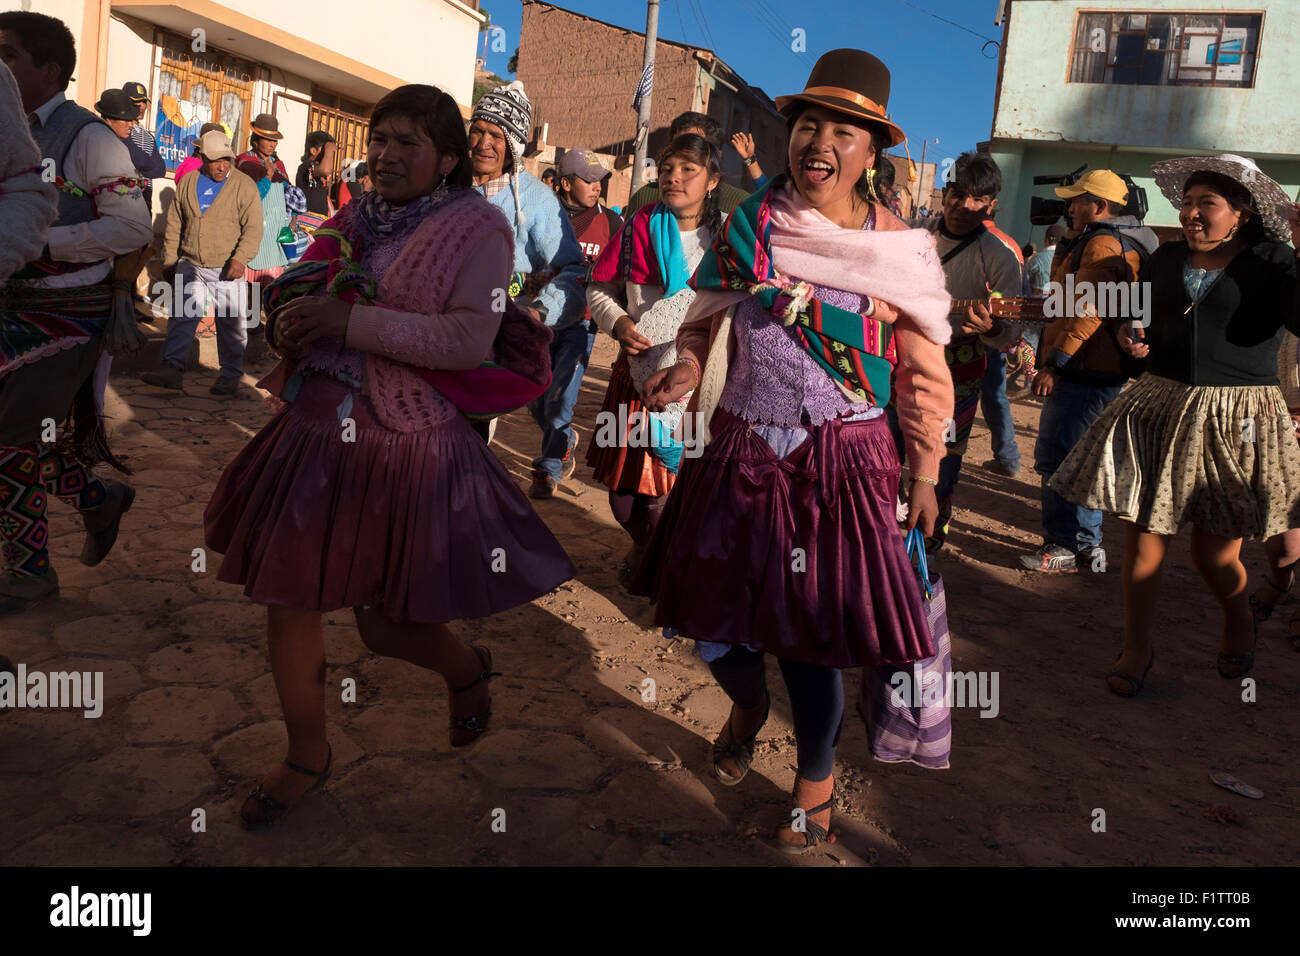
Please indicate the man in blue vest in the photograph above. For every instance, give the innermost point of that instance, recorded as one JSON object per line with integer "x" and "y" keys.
{"x": 59, "y": 305}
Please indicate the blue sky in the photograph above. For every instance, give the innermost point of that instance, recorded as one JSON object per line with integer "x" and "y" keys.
{"x": 942, "y": 84}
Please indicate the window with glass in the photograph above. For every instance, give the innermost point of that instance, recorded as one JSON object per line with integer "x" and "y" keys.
{"x": 1166, "y": 49}
{"x": 200, "y": 87}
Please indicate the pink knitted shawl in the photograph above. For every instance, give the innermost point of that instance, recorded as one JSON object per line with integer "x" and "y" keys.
{"x": 419, "y": 281}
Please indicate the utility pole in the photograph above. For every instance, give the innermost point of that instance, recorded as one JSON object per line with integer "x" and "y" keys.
{"x": 920, "y": 179}
{"x": 643, "y": 114}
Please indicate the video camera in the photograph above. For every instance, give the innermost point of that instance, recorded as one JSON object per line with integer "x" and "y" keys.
{"x": 1045, "y": 212}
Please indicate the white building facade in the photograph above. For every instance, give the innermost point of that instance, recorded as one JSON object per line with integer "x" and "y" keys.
{"x": 313, "y": 66}
{"x": 1123, "y": 84}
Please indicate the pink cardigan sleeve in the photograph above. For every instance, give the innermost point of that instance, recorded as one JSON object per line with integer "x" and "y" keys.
{"x": 923, "y": 392}
{"x": 458, "y": 338}
{"x": 923, "y": 397}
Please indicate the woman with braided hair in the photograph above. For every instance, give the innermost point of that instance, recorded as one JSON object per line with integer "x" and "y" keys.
{"x": 369, "y": 488}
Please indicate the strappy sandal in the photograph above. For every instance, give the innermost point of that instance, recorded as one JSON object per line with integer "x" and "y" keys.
{"x": 741, "y": 753}
{"x": 475, "y": 724}
{"x": 814, "y": 834}
{"x": 272, "y": 809}
{"x": 1135, "y": 684}
{"x": 1263, "y": 610}
{"x": 1238, "y": 664}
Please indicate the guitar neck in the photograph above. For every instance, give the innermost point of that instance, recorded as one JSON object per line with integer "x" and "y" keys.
{"x": 1022, "y": 308}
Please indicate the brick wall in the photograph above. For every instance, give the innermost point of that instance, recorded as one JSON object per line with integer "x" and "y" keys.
{"x": 617, "y": 186}
{"x": 581, "y": 76}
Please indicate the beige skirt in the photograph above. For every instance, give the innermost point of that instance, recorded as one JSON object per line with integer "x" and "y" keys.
{"x": 1163, "y": 454}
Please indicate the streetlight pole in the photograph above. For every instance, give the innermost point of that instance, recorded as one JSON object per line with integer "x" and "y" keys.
{"x": 921, "y": 178}
{"x": 643, "y": 114}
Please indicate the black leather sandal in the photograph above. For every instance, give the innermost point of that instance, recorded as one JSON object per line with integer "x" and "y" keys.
{"x": 814, "y": 834}
{"x": 741, "y": 753}
{"x": 1232, "y": 666}
{"x": 475, "y": 724}
{"x": 1135, "y": 684}
{"x": 1263, "y": 610}
{"x": 271, "y": 808}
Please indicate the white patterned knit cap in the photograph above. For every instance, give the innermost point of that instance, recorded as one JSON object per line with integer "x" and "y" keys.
{"x": 508, "y": 108}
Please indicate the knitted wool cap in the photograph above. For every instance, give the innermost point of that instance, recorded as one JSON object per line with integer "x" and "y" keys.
{"x": 508, "y": 108}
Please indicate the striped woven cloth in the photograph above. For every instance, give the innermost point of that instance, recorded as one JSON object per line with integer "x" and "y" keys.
{"x": 37, "y": 322}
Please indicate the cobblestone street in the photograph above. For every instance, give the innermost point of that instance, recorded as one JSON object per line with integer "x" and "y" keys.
{"x": 578, "y": 767}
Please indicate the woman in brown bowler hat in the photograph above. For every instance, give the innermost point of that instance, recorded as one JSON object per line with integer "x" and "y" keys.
{"x": 781, "y": 537}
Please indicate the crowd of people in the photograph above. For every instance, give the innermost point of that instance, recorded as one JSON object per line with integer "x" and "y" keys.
{"x": 799, "y": 370}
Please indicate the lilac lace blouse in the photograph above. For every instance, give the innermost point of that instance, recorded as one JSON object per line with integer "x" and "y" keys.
{"x": 774, "y": 381}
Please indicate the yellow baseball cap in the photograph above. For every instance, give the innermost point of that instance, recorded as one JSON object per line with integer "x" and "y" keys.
{"x": 1101, "y": 183}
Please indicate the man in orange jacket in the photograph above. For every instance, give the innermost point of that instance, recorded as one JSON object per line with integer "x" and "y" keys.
{"x": 1081, "y": 367}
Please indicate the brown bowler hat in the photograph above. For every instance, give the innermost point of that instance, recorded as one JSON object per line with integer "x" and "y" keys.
{"x": 266, "y": 126}
{"x": 852, "y": 82}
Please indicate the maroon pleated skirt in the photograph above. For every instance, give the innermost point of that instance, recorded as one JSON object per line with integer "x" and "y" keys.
{"x": 428, "y": 525}
{"x": 799, "y": 557}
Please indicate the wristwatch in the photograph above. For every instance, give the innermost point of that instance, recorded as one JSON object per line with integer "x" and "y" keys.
{"x": 751, "y": 160}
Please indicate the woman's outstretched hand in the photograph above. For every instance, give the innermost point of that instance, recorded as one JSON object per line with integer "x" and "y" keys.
{"x": 922, "y": 507}
{"x": 668, "y": 385}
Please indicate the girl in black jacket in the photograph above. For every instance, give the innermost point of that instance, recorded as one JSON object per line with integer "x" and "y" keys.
{"x": 1204, "y": 436}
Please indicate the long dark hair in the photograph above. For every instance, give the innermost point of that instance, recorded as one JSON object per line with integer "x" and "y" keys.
{"x": 436, "y": 113}
{"x": 880, "y": 141}
{"x": 698, "y": 150}
{"x": 314, "y": 140}
{"x": 1235, "y": 195}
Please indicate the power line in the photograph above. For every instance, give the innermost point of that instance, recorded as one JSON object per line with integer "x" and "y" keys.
{"x": 765, "y": 11}
{"x": 704, "y": 22}
{"x": 677, "y": 4}
{"x": 954, "y": 23}
{"x": 768, "y": 23}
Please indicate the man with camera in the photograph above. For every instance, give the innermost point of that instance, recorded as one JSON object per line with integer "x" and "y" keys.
{"x": 1081, "y": 366}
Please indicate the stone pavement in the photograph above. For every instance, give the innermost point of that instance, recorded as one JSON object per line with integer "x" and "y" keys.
{"x": 577, "y": 767}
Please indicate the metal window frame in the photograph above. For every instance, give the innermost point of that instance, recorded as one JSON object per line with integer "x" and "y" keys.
{"x": 334, "y": 121}
{"x": 1180, "y": 16}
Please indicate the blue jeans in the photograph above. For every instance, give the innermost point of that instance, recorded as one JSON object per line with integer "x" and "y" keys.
{"x": 1067, "y": 413}
{"x": 997, "y": 409}
{"x": 228, "y": 298}
{"x": 553, "y": 412}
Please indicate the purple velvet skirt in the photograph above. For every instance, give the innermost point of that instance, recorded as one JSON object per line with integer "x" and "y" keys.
{"x": 799, "y": 557}
{"x": 428, "y": 526}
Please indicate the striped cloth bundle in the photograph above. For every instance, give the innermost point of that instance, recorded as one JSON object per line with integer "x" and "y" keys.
{"x": 907, "y": 709}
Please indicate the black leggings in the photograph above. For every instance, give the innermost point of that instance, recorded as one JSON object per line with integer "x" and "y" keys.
{"x": 816, "y": 702}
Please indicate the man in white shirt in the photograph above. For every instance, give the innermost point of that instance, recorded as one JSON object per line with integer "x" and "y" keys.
{"x": 61, "y": 303}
